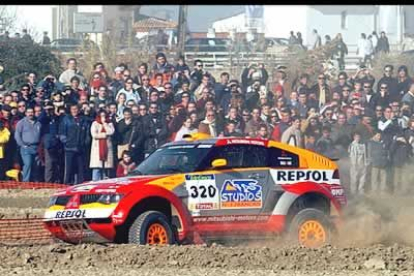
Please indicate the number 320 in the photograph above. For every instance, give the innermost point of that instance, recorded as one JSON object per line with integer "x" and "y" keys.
{"x": 203, "y": 191}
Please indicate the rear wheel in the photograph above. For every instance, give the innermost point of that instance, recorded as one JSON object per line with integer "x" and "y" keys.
{"x": 311, "y": 228}
{"x": 151, "y": 227}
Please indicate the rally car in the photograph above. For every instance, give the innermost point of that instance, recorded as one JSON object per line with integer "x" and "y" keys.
{"x": 203, "y": 190}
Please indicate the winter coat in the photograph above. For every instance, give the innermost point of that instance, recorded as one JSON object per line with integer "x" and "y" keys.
{"x": 49, "y": 130}
{"x": 4, "y": 139}
{"x": 75, "y": 136}
{"x": 383, "y": 45}
{"x": 156, "y": 131}
{"x": 97, "y": 134}
{"x": 377, "y": 154}
{"x": 400, "y": 152}
{"x": 392, "y": 84}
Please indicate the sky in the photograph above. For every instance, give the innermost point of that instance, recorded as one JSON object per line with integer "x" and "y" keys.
{"x": 40, "y": 16}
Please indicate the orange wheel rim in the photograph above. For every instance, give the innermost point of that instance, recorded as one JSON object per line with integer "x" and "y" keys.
{"x": 312, "y": 234}
{"x": 157, "y": 234}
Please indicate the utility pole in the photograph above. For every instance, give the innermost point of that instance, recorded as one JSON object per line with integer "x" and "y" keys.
{"x": 181, "y": 29}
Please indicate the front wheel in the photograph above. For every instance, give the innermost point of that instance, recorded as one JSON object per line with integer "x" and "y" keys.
{"x": 311, "y": 228}
{"x": 151, "y": 227}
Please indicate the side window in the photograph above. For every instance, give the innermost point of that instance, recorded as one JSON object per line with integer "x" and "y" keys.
{"x": 254, "y": 156}
{"x": 282, "y": 158}
{"x": 238, "y": 156}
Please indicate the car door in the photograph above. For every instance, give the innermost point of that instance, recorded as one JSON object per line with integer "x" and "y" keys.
{"x": 241, "y": 186}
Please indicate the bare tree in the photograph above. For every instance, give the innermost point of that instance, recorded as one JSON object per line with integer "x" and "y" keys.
{"x": 8, "y": 18}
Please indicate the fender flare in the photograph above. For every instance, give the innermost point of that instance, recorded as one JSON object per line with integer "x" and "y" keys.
{"x": 124, "y": 207}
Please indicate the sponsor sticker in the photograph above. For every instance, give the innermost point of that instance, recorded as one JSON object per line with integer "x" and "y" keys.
{"x": 232, "y": 218}
{"x": 282, "y": 177}
{"x": 71, "y": 214}
{"x": 241, "y": 194}
{"x": 202, "y": 192}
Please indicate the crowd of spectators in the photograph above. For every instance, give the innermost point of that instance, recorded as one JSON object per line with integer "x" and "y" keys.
{"x": 72, "y": 128}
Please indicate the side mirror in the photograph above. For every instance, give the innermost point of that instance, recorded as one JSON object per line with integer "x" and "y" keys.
{"x": 219, "y": 163}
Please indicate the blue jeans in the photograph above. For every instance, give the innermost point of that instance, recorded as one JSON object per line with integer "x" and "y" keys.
{"x": 28, "y": 155}
{"x": 97, "y": 174}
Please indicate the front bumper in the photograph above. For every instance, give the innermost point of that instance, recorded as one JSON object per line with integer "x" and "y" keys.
{"x": 82, "y": 230}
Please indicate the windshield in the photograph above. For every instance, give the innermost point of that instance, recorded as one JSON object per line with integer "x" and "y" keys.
{"x": 173, "y": 159}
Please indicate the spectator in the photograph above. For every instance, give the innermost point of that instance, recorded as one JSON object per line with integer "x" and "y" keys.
{"x": 340, "y": 51}
{"x": 253, "y": 125}
{"x": 26, "y": 37}
{"x": 126, "y": 165}
{"x": 361, "y": 48}
{"x": 46, "y": 39}
{"x": 50, "y": 136}
{"x": 293, "y": 136}
{"x": 187, "y": 128}
{"x": 322, "y": 91}
{"x": 315, "y": 40}
{"x": 404, "y": 82}
{"x": 409, "y": 97}
{"x": 27, "y": 136}
{"x": 292, "y": 39}
{"x": 325, "y": 145}
{"x": 4, "y": 140}
{"x": 263, "y": 133}
{"x": 209, "y": 125}
{"x": 155, "y": 128}
{"x": 383, "y": 45}
{"x": 400, "y": 152}
{"x": 70, "y": 72}
{"x": 74, "y": 134}
{"x": 390, "y": 81}
{"x": 129, "y": 91}
{"x": 358, "y": 157}
{"x": 101, "y": 156}
{"x": 377, "y": 157}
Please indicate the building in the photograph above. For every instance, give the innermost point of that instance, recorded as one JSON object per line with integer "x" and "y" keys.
{"x": 348, "y": 20}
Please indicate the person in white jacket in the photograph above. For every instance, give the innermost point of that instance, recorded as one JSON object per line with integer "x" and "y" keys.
{"x": 102, "y": 157}
{"x": 361, "y": 48}
{"x": 185, "y": 129}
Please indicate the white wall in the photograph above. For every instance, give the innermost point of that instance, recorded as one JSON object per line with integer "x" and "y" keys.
{"x": 330, "y": 24}
{"x": 280, "y": 20}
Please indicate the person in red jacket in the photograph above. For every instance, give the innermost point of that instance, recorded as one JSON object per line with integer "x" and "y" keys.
{"x": 126, "y": 165}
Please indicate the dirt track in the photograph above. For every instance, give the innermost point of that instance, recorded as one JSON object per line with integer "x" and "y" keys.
{"x": 202, "y": 260}
{"x": 377, "y": 239}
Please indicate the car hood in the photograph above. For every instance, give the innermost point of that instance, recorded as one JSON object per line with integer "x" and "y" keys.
{"x": 110, "y": 185}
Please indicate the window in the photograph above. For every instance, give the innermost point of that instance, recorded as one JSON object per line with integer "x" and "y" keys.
{"x": 282, "y": 158}
{"x": 344, "y": 20}
{"x": 238, "y": 156}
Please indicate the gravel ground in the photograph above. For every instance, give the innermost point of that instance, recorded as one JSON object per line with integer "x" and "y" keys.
{"x": 64, "y": 259}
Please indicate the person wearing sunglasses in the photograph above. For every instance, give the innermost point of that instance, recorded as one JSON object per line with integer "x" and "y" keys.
{"x": 129, "y": 91}
{"x": 209, "y": 124}
{"x": 390, "y": 81}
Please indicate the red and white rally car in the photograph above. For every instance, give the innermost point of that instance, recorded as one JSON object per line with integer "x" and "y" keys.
{"x": 203, "y": 190}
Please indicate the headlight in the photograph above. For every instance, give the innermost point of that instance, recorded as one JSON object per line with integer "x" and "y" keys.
{"x": 52, "y": 201}
{"x": 109, "y": 198}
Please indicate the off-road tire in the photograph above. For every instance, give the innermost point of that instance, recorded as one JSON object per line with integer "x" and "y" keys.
{"x": 308, "y": 215}
{"x": 139, "y": 229}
